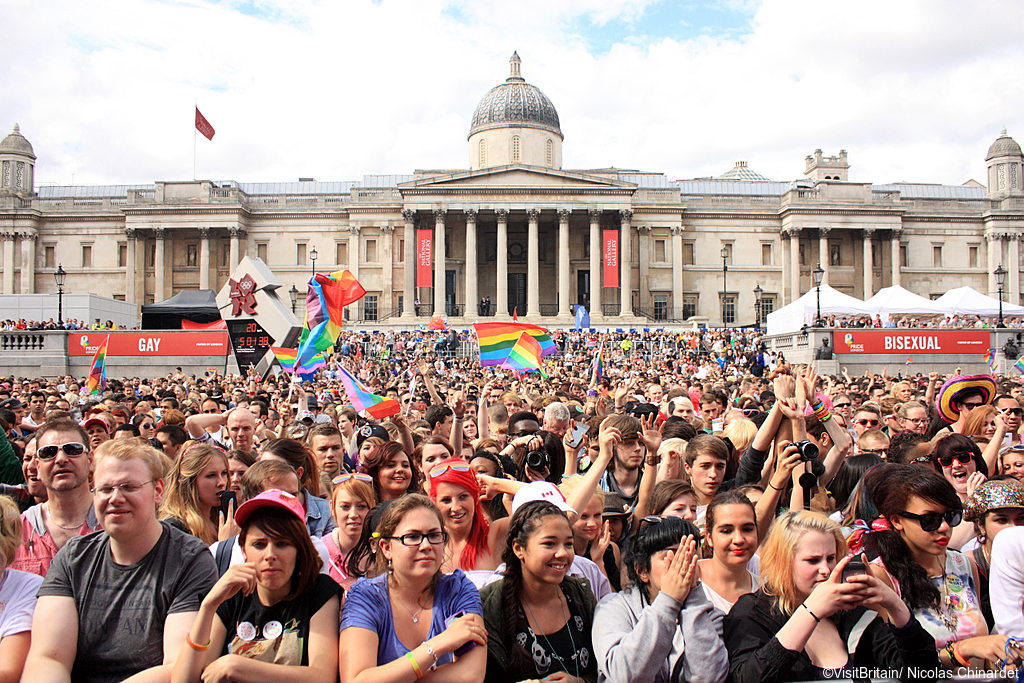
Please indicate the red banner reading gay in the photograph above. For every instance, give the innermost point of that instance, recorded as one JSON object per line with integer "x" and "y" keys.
{"x": 611, "y": 258}
{"x": 424, "y": 259}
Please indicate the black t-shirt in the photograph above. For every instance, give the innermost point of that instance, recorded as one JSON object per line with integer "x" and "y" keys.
{"x": 277, "y": 634}
{"x": 569, "y": 650}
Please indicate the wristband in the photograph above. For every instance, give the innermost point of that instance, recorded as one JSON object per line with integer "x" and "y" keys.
{"x": 415, "y": 665}
{"x": 813, "y": 615}
{"x": 774, "y": 487}
{"x": 430, "y": 651}
{"x": 959, "y": 657}
{"x": 192, "y": 644}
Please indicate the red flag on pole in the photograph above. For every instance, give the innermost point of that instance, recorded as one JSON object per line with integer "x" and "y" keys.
{"x": 203, "y": 126}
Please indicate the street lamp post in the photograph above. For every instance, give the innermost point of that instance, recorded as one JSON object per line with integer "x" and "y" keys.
{"x": 312, "y": 257}
{"x": 818, "y": 273}
{"x": 294, "y": 294}
{"x": 758, "y": 293}
{"x": 725, "y": 283}
{"x": 1000, "y": 274}
{"x": 59, "y": 278}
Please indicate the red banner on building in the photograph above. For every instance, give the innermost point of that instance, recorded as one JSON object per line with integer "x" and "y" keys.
{"x": 158, "y": 343}
{"x": 203, "y": 126}
{"x": 903, "y": 342}
{"x": 611, "y": 258}
{"x": 424, "y": 259}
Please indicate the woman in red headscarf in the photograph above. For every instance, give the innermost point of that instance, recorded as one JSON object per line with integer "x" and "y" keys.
{"x": 476, "y": 546}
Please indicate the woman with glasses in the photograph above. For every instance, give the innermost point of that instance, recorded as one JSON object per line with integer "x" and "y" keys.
{"x": 146, "y": 425}
{"x": 663, "y": 628}
{"x": 192, "y": 499}
{"x": 994, "y": 506}
{"x": 912, "y": 417}
{"x": 1011, "y": 462}
{"x": 351, "y": 501}
{"x": 958, "y": 459}
{"x": 412, "y": 620}
{"x": 911, "y": 540}
{"x": 430, "y": 451}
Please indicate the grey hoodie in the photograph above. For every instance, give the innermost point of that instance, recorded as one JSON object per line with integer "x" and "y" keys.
{"x": 636, "y": 643}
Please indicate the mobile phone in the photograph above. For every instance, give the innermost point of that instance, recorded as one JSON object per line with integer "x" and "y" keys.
{"x": 854, "y": 568}
{"x": 227, "y": 498}
{"x": 468, "y": 646}
{"x": 577, "y": 434}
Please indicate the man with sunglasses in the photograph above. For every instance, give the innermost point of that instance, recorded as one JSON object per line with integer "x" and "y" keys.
{"x": 63, "y": 461}
{"x": 1011, "y": 411}
{"x": 866, "y": 418}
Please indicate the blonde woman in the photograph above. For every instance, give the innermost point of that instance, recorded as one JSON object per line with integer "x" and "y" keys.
{"x": 192, "y": 501}
{"x": 17, "y": 595}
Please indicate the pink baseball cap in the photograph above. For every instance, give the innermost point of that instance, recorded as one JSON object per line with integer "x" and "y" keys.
{"x": 541, "y": 490}
{"x": 274, "y": 498}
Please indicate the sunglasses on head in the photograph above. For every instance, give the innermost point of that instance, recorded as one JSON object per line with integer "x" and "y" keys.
{"x": 931, "y": 521}
{"x": 868, "y": 423}
{"x": 72, "y": 450}
{"x": 962, "y": 458}
{"x": 455, "y": 467}
{"x": 358, "y": 476}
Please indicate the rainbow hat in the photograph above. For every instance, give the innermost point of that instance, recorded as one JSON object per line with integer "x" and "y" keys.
{"x": 956, "y": 386}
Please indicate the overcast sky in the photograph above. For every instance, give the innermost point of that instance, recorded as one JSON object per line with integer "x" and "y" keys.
{"x": 913, "y": 89}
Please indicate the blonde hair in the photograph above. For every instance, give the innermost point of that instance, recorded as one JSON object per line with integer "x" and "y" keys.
{"x": 570, "y": 483}
{"x": 670, "y": 444}
{"x": 779, "y": 549}
{"x": 132, "y": 449}
{"x": 182, "y": 496}
{"x": 10, "y": 528}
{"x": 740, "y": 433}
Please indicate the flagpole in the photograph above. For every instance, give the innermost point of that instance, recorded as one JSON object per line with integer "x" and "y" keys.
{"x": 194, "y": 139}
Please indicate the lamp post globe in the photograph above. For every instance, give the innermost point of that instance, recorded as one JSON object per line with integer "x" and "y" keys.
{"x": 1000, "y": 274}
{"x": 818, "y": 274}
{"x": 758, "y": 293}
{"x": 294, "y": 294}
{"x": 312, "y": 258}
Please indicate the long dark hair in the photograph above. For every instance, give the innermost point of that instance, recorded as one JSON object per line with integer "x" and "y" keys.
{"x": 282, "y": 525}
{"x": 956, "y": 444}
{"x": 521, "y": 527}
{"x": 654, "y": 538}
{"x": 891, "y": 494}
{"x": 850, "y": 473}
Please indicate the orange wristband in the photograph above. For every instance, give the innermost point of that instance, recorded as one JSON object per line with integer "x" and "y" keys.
{"x": 192, "y": 644}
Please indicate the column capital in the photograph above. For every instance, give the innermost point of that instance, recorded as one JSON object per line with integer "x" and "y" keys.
{"x": 992, "y": 236}
{"x": 29, "y": 234}
{"x": 676, "y": 230}
{"x": 533, "y": 215}
{"x": 408, "y": 215}
{"x": 869, "y": 231}
{"x": 896, "y": 234}
{"x": 8, "y": 236}
{"x": 595, "y": 215}
{"x": 387, "y": 229}
{"x": 790, "y": 233}
{"x": 472, "y": 215}
{"x": 1013, "y": 236}
{"x": 204, "y": 233}
{"x": 131, "y": 233}
{"x": 502, "y": 215}
{"x": 160, "y": 233}
{"x": 439, "y": 214}
{"x": 626, "y": 214}
{"x": 824, "y": 230}
{"x": 236, "y": 232}
{"x": 563, "y": 215}
{"x": 354, "y": 229}
{"x": 643, "y": 229}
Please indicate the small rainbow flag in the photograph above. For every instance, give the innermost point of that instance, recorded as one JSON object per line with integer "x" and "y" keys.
{"x": 990, "y": 357}
{"x": 598, "y": 373}
{"x": 98, "y": 371}
{"x": 497, "y": 339}
{"x": 525, "y": 355}
{"x": 1019, "y": 365}
{"x": 365, "y": 401}
{"x": 288, "y": 357}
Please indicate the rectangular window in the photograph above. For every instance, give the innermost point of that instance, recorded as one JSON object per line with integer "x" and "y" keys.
{"x": 225, "y": 255}
{"x": 728, "y": 252}
{"x": 767, "y": 306}
{"x": 341, "y": 257}
{"x": 300, "y": 254}
{"x": 688, "y": 258}
{"x": 661, "y": 307}
{"x": 401, "y": 251}
{"x": 937, "y": 255}
{"x": 972, "y": 259}
{"x": 151, "y": 255}
{"x": 586, "y": 247}
{"x": 803, "y": 254}
{"x": 689, "y": 305}
{"x": 876, "y": 258}
{"x": 766, "y": 254}
{"x": 49, "y": 257}
{"x": 659, "y": 251}
{"x": 835, "y": 254}
{"x": 122, "y": 255}
{"x": 119, "y": 297}
{"x": 261, "y": 251}
{"x": 401, "y": 304}
{"x": 370, "y": 307}
{"x": 371, "y": 251}
{"x": 904, "y": 256}
{"x": 729, "y": 309}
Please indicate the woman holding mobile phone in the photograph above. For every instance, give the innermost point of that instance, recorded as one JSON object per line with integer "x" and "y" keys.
{"x": 192, "y": 501}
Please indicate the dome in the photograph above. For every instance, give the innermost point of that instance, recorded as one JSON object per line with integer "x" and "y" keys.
{"x": 515, "y": 103}
{"x": 15, "y": 143}
{"x": 741, "y": 172}
{"x": 1003, "y": 146}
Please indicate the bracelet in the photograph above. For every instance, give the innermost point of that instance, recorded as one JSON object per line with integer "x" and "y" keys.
{"x": 959, "y": 656}
{"x": 430, "y": 651}
{"x": 415, "y": 665}
{"x": 774, "y": 487}
{"x": 192, "y": 644}
{"x": 652, "y": 462}
{"x": 952, "y": 657}
{"x": 815, "y": 616}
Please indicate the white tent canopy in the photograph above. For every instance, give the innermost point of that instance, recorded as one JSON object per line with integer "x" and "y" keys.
{"x": 966, "y": 301}
{"x": 896, "y": 300}
{"x": 803, "y": 311}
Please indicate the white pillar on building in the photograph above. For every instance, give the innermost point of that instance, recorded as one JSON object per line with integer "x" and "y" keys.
{"x": 472, "y": 291}
{"x": 8, "y": 238}
{"x": 440, "y": 260}
{"x": 28, "y": 262}
{"x": 785, "y": 292}
{"x": 353, "y": 265}
{"x": 897, "y": 265}
{"x": 595, "y": 264}
{"x": 501, "y": 292}
{"x": 1014, "y": 268}
{"x": 533, "y": 262}
{"x": 563, "y": 263}
{"x": 995, "y": 248}
{"x": 677, "y": 272}
{"x": 159, "y": 293}
{"x": 235, "y": 233}
{"x": 130, "y": 282}
{"x": 204, "y": 258}
{"x": 387, "y": 234}
{"x": 409, "y": 291}
{"x": 794, "y": 263}
{"x": 869, "y": 260}
{"x": 626, "y": 291}
{"x": 644, "y": 289}
{"x": 823, "y": 256}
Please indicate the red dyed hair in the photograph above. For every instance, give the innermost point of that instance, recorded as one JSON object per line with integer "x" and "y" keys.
{"x": 476, "y": 544}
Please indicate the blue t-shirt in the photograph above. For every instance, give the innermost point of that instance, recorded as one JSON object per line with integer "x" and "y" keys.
{"x": 368, "y": 606}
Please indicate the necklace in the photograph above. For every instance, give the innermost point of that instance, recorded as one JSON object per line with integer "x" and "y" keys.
{"x": 950, "y": 619}
{"x": 568, "y": 629}
{"x": 54, "y": 520}
{"x": 416, "y": 616}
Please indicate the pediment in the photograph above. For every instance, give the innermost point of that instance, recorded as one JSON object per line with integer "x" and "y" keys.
{"x": 517, "y": 176}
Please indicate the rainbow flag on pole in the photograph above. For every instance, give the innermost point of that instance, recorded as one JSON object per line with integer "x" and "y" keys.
{"x": 1019, "y": 365}
{"x": 525, "y": 355}
{"x": 990, "y": 357}
{"x": 364, "y": 401}
{"x": 598, "y": 373}
{"x": 325, "y": 303}
{"x": 288, "y": 360}
{"x": 98, "y": 371}
{"x": 497, "y": 339}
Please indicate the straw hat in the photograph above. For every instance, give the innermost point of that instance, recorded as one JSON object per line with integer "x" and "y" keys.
{"x": 956, "y": 385}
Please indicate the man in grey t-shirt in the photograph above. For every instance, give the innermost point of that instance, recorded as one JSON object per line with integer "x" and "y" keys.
{"x": 116, "y": 604}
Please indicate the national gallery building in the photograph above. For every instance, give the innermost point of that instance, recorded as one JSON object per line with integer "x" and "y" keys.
{"x": 518, "y": 231}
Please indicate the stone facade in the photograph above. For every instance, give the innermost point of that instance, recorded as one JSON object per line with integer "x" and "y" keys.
{"x": 524, "y": 232}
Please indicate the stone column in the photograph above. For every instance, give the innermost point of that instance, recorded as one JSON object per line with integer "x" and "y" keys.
{"x": 785, "y": 292}
{"x": 995, "y": 244}
{"x": 353, "y": 265}
{"x": 794, "y": 263}
{"x": 823, "y": 256}
{"x": 204, "y": 258}
{"x": 677, "y": 272}
{"x": 563, "y": 263}
{"x": 159, "y": 293}
{"x": 28, "y": 262}
{"x": 897, "y": 273}
{"x": 533, "y": 263}
{"x": 1014, "y": 268}
{"x": 869, "y": 269}
{"x": 501, "y": 294}
{"x": 439, "y": 261}
{"x": 644, "y": 234}
{"x": 595, "y": 264}
{"x": 130, "y": 283}
{"x": 409, "y": 292}
{"x": 235, "y": 233}
{"x": 8, "y": 238}
{"x": 387, "y": 234}
{"x": 472, "y": 291}
{"x": 626, "y": 291}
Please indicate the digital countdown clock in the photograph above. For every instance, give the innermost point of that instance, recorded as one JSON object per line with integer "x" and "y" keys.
{"x": 249, "y": 341}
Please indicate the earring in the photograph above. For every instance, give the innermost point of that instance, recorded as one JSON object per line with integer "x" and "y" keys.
{"x": 391, "y": 569}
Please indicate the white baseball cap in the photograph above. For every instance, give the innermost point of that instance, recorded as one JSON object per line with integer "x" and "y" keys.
{"x": 541, "y": 490}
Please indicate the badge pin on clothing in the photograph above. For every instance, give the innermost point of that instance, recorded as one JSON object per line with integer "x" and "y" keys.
{"x": 272, "y": 630}
{"x": 246, "y": 631}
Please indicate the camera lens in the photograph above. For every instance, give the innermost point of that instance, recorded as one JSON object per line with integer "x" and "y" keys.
{"x": 808, "y": 451}
{"x": 537, "y": 460}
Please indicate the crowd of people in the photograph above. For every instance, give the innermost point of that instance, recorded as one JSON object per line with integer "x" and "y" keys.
{"x": 66, "y": 324}
{"x": 696, "y": 511}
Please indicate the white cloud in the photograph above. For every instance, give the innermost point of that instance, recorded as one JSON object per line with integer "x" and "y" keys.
{"x": 335, "y": 90}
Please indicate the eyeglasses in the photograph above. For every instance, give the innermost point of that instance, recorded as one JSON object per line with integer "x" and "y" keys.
{"x": 416, "y": 539}
{"x": 868, "y": 423}
{"x": 1014, "y": 411}
{"x": 444, "y": 467}
{"x": 874, "y": 451}
{"x": 148, "y": 425}
{"x": 358, "y": 476}
{"x": 841, "y": 405}
{"x": 747, "y": 412}
{"x": 931, "y": 521}
{"x": 128, "y": 489}
{"x": 962, "y": 458}
{"x": 917, "y": 421}
{"x": 970, "y": 406}
{"x": 72, "y": 450}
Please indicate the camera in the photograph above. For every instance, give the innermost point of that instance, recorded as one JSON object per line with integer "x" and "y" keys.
{"x": 808, "y": 451}
{"x": 538, "y": 460}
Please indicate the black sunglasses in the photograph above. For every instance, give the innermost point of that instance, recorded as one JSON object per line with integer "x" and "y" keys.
{"x": 72, "y": 450}
{"x": 931, "y": 521}
{"x": 962, "y": 458}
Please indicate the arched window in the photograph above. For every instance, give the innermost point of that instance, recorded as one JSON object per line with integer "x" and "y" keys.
{"x": 483, "y": 153}
{"x": 515, "y": 149}
{"x": 550, "y": 153}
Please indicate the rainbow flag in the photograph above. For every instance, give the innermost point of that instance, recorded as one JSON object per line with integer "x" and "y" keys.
{"x": 497, "y": 339}
{"x": 990, "y": 357}
{"x": 98, "y": 371}
{"x": 287, "y": 358}
{"x": 525, "y": 355}
{"x": 598, "y": 373}
{"x": 366, "y": 402}
{"x": 325, "y": 302}
{"x": 1020, "y": 364}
